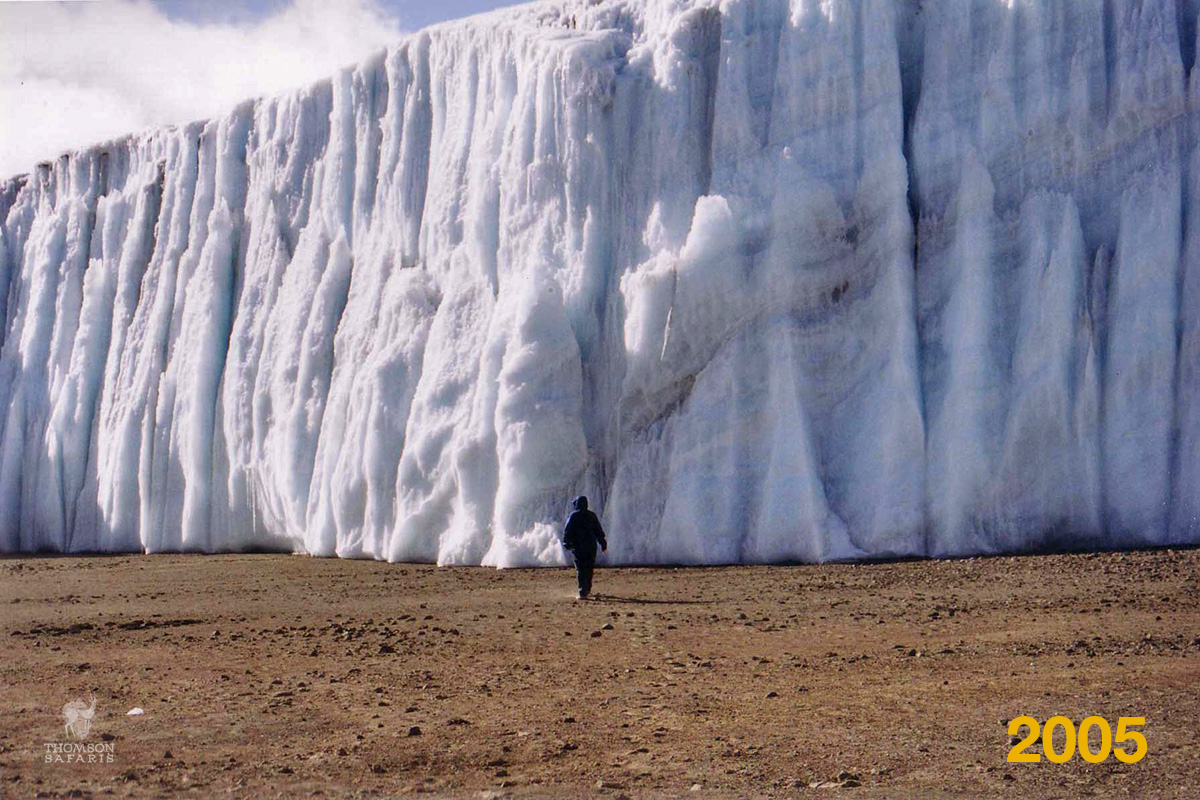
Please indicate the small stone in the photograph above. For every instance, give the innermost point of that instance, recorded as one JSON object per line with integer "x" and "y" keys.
{"x": 167, "y": 756}
{"x": 772, "y": 694}
{"x": 414, "y": 731}
{"x": 595, "y": 634}
{"x": 606, "y": 626}
{"x": 608, "y": 785}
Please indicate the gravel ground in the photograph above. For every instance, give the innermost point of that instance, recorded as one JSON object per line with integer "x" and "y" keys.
{"x": 273, "y": 675}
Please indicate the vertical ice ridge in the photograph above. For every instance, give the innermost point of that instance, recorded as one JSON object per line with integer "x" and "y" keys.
{"x": 1185, "y": 505}
{"x": 1140, "y": 368}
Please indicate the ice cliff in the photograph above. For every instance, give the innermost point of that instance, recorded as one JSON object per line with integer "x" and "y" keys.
{"x": 766, "y": 280}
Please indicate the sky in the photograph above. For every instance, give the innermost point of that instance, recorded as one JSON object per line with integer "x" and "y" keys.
{"x": 76, "y": 73}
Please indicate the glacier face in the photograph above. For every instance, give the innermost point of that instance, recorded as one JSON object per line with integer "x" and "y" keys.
{"x": 767, "y": 280}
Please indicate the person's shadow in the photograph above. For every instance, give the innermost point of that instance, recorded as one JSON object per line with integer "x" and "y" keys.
{"x": 643, "y": 601}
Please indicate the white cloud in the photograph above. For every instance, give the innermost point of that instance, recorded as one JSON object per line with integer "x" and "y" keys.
{"x": 74, "y": 74}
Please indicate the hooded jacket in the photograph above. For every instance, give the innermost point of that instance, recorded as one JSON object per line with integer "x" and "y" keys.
{"x": 583, "y": 531}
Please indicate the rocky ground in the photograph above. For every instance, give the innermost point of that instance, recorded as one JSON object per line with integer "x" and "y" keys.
{"x": 269, "y": 675}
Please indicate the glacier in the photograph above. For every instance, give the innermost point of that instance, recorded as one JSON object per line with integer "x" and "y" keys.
{"x": 767, "y": 280}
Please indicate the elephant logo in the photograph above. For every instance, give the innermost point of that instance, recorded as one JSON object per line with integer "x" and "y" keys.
{"x": 78, "y": 715}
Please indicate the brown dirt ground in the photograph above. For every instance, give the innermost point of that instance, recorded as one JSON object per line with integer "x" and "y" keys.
{"x": 270, "y": 675}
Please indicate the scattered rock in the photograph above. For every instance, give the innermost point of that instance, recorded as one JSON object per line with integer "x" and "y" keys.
{"x": 844, "y": 780}
{"x": 414, "y": 731}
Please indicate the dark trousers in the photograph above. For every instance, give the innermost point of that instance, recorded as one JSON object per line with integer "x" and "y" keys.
{"x": 584, "y": 564}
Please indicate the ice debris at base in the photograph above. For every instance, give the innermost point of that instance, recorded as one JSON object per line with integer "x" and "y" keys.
{"x": 766, "y": 280}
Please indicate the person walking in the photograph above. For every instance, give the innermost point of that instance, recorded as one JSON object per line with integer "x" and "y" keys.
{"x": 580, "y": 536}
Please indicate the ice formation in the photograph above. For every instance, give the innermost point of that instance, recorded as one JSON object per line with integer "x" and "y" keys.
{"x": 767, "y": 280}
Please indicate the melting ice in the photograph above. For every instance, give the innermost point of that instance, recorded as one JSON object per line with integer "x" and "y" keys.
{"x": 767, "y": 280}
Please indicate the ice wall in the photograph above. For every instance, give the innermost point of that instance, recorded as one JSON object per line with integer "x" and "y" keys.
{"x": 767, "y": 280}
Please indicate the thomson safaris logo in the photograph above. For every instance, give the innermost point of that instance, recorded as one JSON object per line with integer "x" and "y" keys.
{"x": 78, "y": 716}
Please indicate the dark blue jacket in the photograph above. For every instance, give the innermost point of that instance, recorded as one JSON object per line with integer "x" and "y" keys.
{"x": 583, "y": 531}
